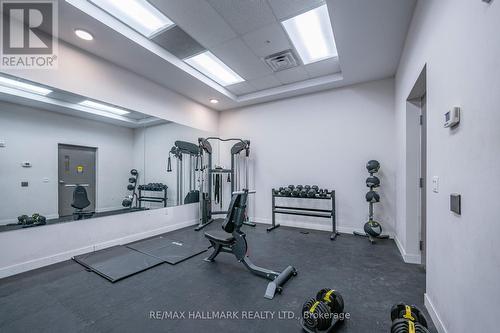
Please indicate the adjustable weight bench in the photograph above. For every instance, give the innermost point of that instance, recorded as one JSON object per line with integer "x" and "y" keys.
{"x": 233, "y": 240}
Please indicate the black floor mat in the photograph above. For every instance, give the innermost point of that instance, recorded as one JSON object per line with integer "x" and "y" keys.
{"x": 117, "y": 262}
{"x": 169, "y": 250}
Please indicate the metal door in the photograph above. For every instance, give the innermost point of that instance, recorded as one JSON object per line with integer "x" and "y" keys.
{"x": 76, "y": 167}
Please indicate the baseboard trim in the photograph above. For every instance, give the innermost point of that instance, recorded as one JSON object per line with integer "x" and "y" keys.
{"x": 314, "y": 226}
{"x": 407, "y": 257}
{"x": 436, "y": 319}
{"x": 53, "y": 259}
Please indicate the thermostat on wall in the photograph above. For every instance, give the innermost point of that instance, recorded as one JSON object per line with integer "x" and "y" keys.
{"x": 452, "y": 117}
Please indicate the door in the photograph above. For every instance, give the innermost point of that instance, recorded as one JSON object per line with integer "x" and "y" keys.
{"x": 76, "y": 167}
{"x": 423, "y": 176}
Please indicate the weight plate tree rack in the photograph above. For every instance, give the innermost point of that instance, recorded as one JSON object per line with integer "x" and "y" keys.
{"x": 302, "y": 211}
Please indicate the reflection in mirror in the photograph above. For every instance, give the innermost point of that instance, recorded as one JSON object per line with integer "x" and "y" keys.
{"x": 65, "y": 158}
{"x": 158, "y": 165}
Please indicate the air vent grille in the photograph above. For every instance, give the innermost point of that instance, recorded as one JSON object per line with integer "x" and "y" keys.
{"x": 281, "y": 60}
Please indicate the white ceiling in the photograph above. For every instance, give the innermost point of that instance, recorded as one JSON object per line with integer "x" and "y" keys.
{"x": 369, "y": 33}
{"x": 67, "y": 103}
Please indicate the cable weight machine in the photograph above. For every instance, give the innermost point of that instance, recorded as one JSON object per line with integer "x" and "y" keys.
{"x": 187, "y": 155}
{"x": 213, "y": 178}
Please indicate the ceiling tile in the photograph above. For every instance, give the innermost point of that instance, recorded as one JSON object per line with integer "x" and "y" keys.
{"x": 198, "y": 19}
{"x": 244, "y": 15}
{"x": 324, "y": 67}
{"x": 241, "y": 88}
{"x": 265, "y": 82}
{"x": 178, "y": 42}
{"x": 292, "y": 75}
{"x": 267, "y": 40}
{"x": 284, "y": 9}
{"x": 240, "y": 58}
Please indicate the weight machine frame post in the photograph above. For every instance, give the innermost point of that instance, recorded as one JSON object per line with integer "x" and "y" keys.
{"x": 301, "y": 211}
{"x": 273, "y": 215}
{"x": 180, "y": 176}
{"x": 334, "y": 218}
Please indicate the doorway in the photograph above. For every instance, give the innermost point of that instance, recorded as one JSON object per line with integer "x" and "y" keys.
{"x": 416, "y": 171}
{"x": 76, "y": 167}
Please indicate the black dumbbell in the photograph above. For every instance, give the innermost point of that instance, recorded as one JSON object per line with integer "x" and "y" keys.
{"x": 315, "y": 187}
{"x": 316, "y": 315}
{"x": 332, "y": 298}
{"x": 311, "y": 193}
{"x": 134, "y": 172}
{"x": 295, "y": 192}
{"x": 291, "y": 187}
{"x": 132, "y": 180}
{"x": 288, "y": 192}
{"x": 411, "y": 312}
{"x": 300, "y": 187}
{"x": 303, "y": 193}
{"x": 307, "y": 187}
{"x": 407, "y": 326}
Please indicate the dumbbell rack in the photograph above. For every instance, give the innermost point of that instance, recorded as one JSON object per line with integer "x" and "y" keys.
{"x": 303, "y": 211}
{"x": 146, "y": 198}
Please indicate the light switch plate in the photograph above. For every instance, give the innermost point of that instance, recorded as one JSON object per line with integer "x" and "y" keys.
{"x": 435, "y": 184}
{"x": 456, "y": 203}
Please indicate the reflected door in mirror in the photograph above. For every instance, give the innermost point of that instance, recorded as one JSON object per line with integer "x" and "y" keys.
{"x": 76, "y": 168}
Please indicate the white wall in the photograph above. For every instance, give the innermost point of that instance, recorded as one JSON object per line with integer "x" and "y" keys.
{"x": 325, "y": 139}
{"x": 151, "y": 147}
{"x": 458, "y": 40}
{"x": 33, "y": 135}
{"x": 26, "y": 249}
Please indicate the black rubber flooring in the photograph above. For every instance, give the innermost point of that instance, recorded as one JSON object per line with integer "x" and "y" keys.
{"x": 186, "y": 297}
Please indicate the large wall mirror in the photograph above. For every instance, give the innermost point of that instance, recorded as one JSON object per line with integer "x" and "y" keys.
{"x": 70, "y": 159}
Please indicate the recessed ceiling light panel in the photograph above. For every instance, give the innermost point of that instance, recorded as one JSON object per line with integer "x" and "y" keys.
{"x": 214, "y": 101}
{"x": 214, "y": 68}
{"x": 104, "y": 107}
{"x": 138, "y": 14}
{"x": 83, "y": 34}
{"x": 29, "y": 87}
{"x": 312, "y": 35}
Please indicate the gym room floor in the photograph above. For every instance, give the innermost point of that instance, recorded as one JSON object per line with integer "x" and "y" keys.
{"x": 66, "y": 298}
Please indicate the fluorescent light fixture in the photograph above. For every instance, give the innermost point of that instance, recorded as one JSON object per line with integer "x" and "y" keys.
{"x": 104, "y": 107}
{"x": 83, "y": 34}
{"x": 211, "y": 66}
{"x": 29, "y": 87}
{"x": 138, "y": 14}
{"x": 312, "y": 35}
{"x": 214, "y": 101}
